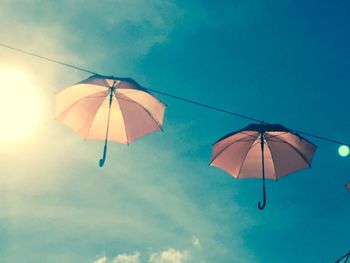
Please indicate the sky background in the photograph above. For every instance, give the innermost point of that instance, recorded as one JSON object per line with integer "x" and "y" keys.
{"x": 157, "y": 200}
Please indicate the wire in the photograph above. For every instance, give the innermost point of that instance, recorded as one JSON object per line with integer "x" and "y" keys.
{"x": 170, "y": 95}
{"x": 244, "y": 116}
{"x": 48, "y": 59}
{"x": 205, "y": 105}
{"x": 320, "y": 137}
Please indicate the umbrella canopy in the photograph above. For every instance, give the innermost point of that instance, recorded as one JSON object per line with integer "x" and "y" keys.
{"x": 262, "y": 150}
{"x": 110, "y": 109}
{"x": 348, "y": 186}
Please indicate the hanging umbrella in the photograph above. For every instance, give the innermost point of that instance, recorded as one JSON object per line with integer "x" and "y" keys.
{"x": 109, "y": 109}
{"x": 344, "y": 258}
{"x": 348, "y": 186}
{"x": 262, "y": 150}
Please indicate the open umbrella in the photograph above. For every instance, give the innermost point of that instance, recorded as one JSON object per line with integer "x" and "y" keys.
{"x": 109, "y": 109}
{"x": 267, "y": 150}
{"x": 344, "y": 258}
{"x": 348, "y": 186}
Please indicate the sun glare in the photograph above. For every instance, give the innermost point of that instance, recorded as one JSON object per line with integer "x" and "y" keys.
{"x": 20, "y": 105}
{"x": 343, "y": 151}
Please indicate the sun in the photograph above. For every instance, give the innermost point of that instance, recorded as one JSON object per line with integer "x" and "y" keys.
{"x": 343, "y": 151}
{"x": 20, "y": 105}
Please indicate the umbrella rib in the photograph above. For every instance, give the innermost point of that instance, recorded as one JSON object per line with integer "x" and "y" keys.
{"x": 295, "y": 134}
{"x": 234, "y": 133}
{"x": 68, "y": 108}
{"x": 296, "y": 150}
{"x": 81, "y": 98}
{"x": 225, "y": 148}
{"x": 106, "y": 83}
{"x": 129, "y": 92}
{"x": 275, "y": 136}
{"x": 96, "y": 96}
{"x": 273, "y": 161}
{"x": 88, "y": 132}
{"x": 90, "y": 86}
{"x": 149, "y": 113}
{"x": 251, "y": 146}
{"x": 133, "y": 90}
{"x": 249, "y": 134}
{"x": 139, "y": 104}
{"x": 121, "y": 113}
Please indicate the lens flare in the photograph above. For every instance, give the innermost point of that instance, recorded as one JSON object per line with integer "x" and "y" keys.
{"x": 20, "y": 105}
{"x": 343, "y": 151}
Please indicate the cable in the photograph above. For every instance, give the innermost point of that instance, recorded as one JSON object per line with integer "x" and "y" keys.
{"x": 48, "y": 59}
{"x": 204, "y": 105}
{"x": 320, "y": 137}
{"x": 170, "y": 95}
{"x": 244, "y": 116}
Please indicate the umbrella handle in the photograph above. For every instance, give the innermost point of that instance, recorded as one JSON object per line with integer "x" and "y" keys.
{"x": 262, "y": 206}
{"x": 103, "y": 159}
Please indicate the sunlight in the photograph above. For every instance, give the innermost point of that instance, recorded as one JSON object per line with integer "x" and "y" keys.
{"x": 343, "y": 150}
{"x": 20, "y": 106}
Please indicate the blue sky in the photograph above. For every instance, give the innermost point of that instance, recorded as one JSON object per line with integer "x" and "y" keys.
{"x": 157, "y": 200}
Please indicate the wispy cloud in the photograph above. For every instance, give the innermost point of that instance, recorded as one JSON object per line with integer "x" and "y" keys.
{"x": 101, "y": 260}
{"x": 195, "y": 242}
{"x": 127, "y": 258}
{"x": 132, "y": 203}
{"x": 104, "y": 36}
{"x": 169, "y": 256}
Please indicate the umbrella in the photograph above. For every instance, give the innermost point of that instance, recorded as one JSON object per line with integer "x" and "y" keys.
{"x": 109, "y": 109}
{"x": 345, "y": 258}
{"x": 348, "y": 186}
{"x": 268, "y": 149}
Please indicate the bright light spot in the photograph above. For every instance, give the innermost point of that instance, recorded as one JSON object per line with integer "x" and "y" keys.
{"x": 343, "y": 151}
{"x": 20, "y": 106}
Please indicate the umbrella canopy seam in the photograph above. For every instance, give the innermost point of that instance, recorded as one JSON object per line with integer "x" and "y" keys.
{"x": 273, "y": 162}
{"x": 226, "y": 147}
{"x": 82, "y": 98}
{"x": 122, "y": 114}
{"x": 246, "y": 155}
{"x": 93, "y": 119}
{"x": 69, "y": 108}
{"x": 148, "y": 113}
{"x": 296, "y": 150}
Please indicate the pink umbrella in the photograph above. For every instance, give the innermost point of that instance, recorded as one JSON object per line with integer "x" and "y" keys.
{"x": 348, "y": 186}
{"x": 109, "y": 109}
{"x": 268, "y": 148}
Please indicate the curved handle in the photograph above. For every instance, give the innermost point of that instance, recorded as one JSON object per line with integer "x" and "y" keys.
{"x": 262, "y": 206}
{"x": 103, "y": 159}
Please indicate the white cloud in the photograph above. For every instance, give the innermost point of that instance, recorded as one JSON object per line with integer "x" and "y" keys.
{"x": 101, "y": 260}
{"x": 127, "y": 258}
{"x": 195, "y": 242}
{"x": 104, "y": 36}
{"x": 121, "y": 258}
{"x": 169, "y": 256}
